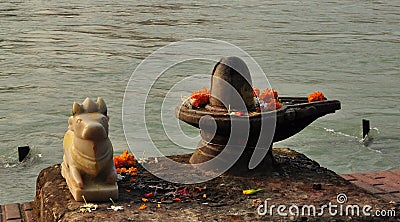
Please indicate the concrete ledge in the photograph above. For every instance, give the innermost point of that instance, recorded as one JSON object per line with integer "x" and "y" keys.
{"x": 16, "y": 212}
{"x": 385, "y": 184}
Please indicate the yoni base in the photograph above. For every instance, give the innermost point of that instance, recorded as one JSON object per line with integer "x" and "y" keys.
{"x": 207, "y": 151}
{"x": 92, "y": 192}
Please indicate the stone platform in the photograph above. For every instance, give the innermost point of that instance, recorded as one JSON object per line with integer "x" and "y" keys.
{"x": 297, "y": 180}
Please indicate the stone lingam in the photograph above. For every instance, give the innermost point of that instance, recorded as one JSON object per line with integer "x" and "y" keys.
{"x": 232, "y": 123}
{"x": 88, "y": 165}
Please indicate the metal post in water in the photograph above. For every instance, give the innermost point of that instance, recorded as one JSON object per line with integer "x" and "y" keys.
{"x": 365, "y": 125}
{"x": 23, "y": 152}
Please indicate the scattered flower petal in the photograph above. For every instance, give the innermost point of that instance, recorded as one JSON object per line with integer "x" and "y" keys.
{"x": 251, "y": 191}
{"x": 177, "y": 199}
{"x": 148, "y": 195}
{"x": 184, "y": 191}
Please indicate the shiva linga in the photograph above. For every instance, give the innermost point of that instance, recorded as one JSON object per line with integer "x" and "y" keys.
{"x": 232, "y": 121}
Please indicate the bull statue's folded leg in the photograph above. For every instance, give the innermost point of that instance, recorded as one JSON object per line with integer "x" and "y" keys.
{"x": 76, "y": 176}
{"x": 112, "y": 177}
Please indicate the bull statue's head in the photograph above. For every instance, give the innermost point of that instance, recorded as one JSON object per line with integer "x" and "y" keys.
{"x": 89, "y": 120}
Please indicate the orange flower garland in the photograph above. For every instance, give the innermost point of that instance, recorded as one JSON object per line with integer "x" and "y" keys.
{"x": 316, "y": 96}
{"x": 125, "y": 163}
{"x": 200, "y": 98}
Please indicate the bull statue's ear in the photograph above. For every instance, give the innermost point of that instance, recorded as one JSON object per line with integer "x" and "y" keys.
{"x": 70, "y": 122}
{"x": 76, "y": 109}
{"x": 101, "y": 106}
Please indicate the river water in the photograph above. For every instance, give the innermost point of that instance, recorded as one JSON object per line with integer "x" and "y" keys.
{"x": 55, "y": 53}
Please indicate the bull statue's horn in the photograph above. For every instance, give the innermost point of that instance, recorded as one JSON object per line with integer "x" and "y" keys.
{"x": 76, "y": 109}
{"x": 101, "y": 106}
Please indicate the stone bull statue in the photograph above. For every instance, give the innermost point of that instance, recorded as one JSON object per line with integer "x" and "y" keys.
{"x": 88, "y": 165}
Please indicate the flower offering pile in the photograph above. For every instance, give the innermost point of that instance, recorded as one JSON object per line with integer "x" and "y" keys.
{"x": 124, "y": 164}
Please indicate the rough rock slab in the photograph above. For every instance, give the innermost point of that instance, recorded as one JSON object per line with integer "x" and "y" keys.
{"x": 297, "y": 180}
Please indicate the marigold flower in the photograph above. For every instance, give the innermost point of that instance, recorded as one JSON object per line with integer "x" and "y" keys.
{"x": 268, "y": 94}
{"x": 200, "y": 98}
{"x": 124, "y": 163}
{"x": 124, "y": 160}
{"x": 316, "y": 96}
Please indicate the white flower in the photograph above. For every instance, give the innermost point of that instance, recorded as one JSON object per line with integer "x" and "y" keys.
{"x": 88, "y": 207}
{"x": 120, "y": 177}
{"x": 115, "y": 208}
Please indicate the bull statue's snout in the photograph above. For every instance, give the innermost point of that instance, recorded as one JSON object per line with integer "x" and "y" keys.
{"x": 89, "y": 126}
{"x": 94, "y": 131}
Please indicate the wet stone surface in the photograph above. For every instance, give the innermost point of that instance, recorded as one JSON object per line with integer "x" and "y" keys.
{"x": 296, "y": 180}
